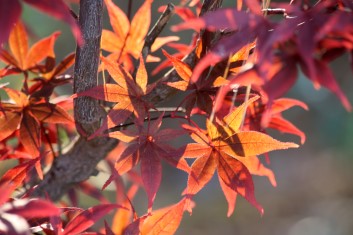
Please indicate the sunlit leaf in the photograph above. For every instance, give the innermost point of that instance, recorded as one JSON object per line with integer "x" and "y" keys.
{"x": 18, "y": 42}
{"x": 87, "y": 218}
{"x": 202, "y": 171}
{"x": 164, "y": 221}
{"x": 9, "y": 123}
{"x": 252, "y": 143}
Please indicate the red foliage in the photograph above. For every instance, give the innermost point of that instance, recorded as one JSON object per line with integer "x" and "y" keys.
{"x": 243, "y": 62}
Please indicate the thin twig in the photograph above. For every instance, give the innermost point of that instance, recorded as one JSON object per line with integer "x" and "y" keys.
{"x": 157, "y": 29}
{"x": 164, "y": 109}
{"x": 246, "y": 101}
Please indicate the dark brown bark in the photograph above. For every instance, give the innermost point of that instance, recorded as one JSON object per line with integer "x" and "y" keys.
{"x": 78, "y": 164}
{"x": 87, "y": 110}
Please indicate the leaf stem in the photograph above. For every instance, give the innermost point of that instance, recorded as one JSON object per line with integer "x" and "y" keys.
{"x": 247, "y": 94}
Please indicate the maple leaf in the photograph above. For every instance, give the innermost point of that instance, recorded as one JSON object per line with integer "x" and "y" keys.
{"x": 23, "y": 59}
{"x": 162, "y": 221}
{"x": 127, "y": 39}
{"x": 183, "y": 70}
{"x": 263, "y": 113}
{"x": 87, "y": 218}
{"x": 222, "y": 148}
{"x": 203, "y": 91}
{"x": 127, "y": 93}
{"x": 278, "y": 122}
{"x": 183, "y": 50}
{"x": 300, "y": 38}
{"x": 46, "y": 83}
{"x": 304, "y": 45}
{"x": 244, "y": 23}
{"x": 125, "y": 33}
{"x": 27, "y": 115}
{"x": 10, "y": 11}
{"x": 149, "y": 146}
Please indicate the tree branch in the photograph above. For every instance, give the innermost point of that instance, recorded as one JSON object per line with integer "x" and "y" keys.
{"x": 87, "y": 110}
{"x": 79, "y": 163}
{"x": 157, "y": 29}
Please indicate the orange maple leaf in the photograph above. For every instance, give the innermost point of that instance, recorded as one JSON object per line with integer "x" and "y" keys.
{"x": 127, "y": 38}
{"x": 222, "y": 147}
{"x": 27, "y": 114}
{"x": 128, "y": 93}
{"x": 21, "y": 58}
{"x": 163, "y": 221}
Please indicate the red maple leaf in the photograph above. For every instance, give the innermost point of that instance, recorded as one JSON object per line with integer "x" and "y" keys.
{"x": 202, "y": 93}
{"x": 296, "y": 40}
{"x": 148, "y": 146}
{"x": 45, "y": 83}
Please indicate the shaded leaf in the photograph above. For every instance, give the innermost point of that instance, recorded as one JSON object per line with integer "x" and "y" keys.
{"x": 51, "y": 113}
{"x": 237, "y": 177}
{"x": 30, "y": 134}
{"x": 128, "y": 159}
{"x": 257, "y": 168}
{"x": 18, "y": 42}
{"x": 151, "y": 173}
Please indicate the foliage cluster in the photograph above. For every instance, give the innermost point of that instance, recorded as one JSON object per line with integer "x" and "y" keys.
{"x": 232, "y": 76}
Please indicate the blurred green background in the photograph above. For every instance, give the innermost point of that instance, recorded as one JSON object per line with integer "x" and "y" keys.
{"x": 314, "y": 195}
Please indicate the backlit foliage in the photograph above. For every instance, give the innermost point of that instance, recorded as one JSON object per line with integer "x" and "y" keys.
{"x": 232, "y": 77}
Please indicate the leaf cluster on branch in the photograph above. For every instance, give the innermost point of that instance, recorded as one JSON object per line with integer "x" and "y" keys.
{"x": 231, "y": 76}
